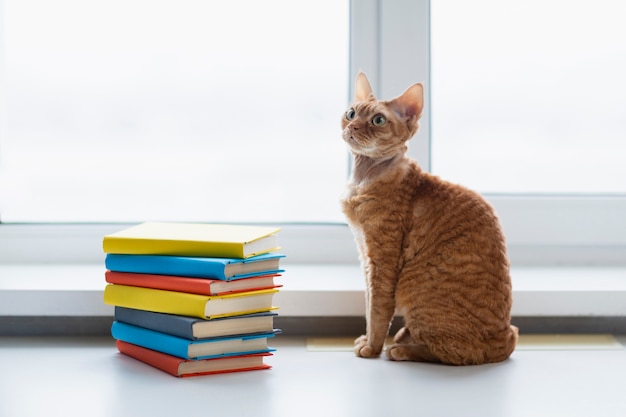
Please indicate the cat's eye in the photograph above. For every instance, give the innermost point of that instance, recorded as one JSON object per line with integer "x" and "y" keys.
{"x": 379, "y": 120}
{"x": 350, "y": 114}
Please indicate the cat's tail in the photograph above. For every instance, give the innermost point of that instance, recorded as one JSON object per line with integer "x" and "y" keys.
{"x": 504, "y": 347}
{"x": 448, "y": 349}
{"x": 500, "y": 348}
{"x": 510, "y": 342}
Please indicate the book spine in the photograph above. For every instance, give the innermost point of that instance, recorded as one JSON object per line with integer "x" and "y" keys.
{"x": 165, "y": 265}
{"x": 165, "y": 323}
{"x": 171, "y": 364}
{"x": 165, "y": 363}
{"x": 160, "y": 342}
{"x": 160, "y": 301}
{"x": 140, "y": 246}
{"x": 161, "y": 282}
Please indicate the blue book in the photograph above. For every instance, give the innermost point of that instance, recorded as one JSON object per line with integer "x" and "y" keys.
{"x": 193, "y": 328}
{"x": 191, "y": 349}
{"x": 212, "y": 268}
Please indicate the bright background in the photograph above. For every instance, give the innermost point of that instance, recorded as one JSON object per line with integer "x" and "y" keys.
{"x": 125, "y": 111}
{"x": 131, "y": 110}
{"x": 530, "y": 96}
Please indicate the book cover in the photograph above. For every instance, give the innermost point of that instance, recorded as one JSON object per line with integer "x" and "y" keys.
{"x": 191, "y": 349}
{"x": 191, "y": 285}
{"x": 197, "y": 267}
{"x": 186, "y": 304}
{"x": 188, "y": 368}
{"x": 193, "y": 239}
{"x": 194, "y": 328}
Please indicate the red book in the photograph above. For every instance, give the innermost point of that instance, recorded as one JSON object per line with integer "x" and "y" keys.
{"x": 186, "y": 368}
{"x": 201, "y": 286}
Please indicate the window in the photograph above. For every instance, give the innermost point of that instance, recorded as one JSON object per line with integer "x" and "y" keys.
{"x": 122, "y": 111}
{"x": 533, "y": 92}
{"x": 391, "y": 42}
{"x": 528, "y": 105}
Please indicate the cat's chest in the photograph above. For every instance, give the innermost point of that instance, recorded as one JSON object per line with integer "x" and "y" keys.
{"x": 363, "y": 204}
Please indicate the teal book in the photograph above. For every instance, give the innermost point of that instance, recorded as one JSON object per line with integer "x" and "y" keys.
{"x": 191, "y": 349}
{"x": 196, "y": 267}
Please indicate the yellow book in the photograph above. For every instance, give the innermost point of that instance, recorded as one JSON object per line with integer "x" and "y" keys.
{"x": 193, "y": 239}
{"x": 186, "y": 304}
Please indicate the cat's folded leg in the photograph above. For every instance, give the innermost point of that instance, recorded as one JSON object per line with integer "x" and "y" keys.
{"x": 407, "y": 348}
{"x": 403, "y": 336}
{"x": 411, "y": 352}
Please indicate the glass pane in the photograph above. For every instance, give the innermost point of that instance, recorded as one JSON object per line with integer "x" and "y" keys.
{"x": 530, "y": 96}
{"x": 178, "y": 110}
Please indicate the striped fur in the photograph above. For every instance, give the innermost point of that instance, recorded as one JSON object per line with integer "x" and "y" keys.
{"x": 432, "y": 251}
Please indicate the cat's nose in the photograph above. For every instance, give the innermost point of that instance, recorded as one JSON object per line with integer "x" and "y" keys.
{"x": 353, "y": 128}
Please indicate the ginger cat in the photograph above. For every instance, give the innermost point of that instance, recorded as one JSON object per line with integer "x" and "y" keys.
{"x": 432, "y": 251}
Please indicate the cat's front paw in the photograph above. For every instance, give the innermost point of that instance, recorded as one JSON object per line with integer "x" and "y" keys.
{"x": 363, "y": 349}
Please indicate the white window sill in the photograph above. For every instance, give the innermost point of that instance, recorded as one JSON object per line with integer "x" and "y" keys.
{"x": 317, "y": 291}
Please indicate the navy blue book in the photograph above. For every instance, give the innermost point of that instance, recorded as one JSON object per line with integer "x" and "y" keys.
{"x": 185, "y": 266}
{"x": 191, "y": 349}
{"x": 193, "y": 328}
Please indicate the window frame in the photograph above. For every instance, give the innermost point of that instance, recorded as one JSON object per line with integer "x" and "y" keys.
{"x": 540, "y": 229}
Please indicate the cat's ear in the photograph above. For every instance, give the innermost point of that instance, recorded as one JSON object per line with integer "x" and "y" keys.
{"x": 410, "y": 103}
{"x": 363, "y": 89}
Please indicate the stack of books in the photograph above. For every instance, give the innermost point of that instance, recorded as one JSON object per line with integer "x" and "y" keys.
{"x": 193, "y": 299}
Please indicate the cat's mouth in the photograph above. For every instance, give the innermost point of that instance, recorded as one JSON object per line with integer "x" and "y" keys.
{"x": 356, "y": 145}
{"x": 353, "y": 143}
{"x": 350, "y": 139}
